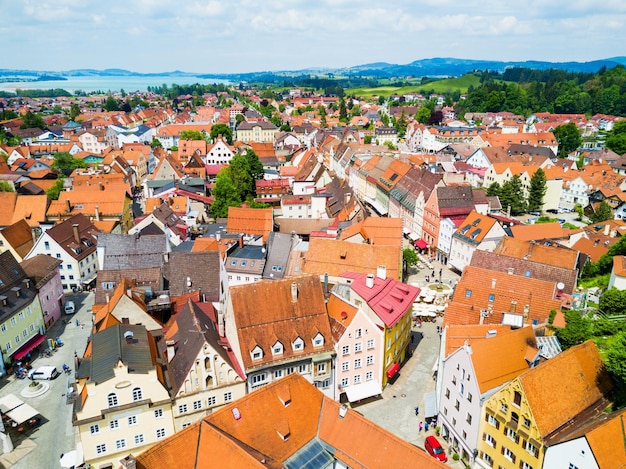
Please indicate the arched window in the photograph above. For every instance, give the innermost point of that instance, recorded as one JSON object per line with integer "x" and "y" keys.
{"x": 112, "y": 399}
{"x": 137, "y": 394}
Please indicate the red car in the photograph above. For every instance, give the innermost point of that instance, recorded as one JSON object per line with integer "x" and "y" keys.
{"x": 435, "y": 449}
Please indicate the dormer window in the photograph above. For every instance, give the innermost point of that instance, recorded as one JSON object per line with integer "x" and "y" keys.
{"x": 298, "y": 344}
{"x": 78, "y": 250}
{"x": 318, "y": 340}
{"x": 257, "y": 353}
{"x": 277, "y": 348}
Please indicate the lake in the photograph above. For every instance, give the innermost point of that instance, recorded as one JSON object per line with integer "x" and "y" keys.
{"x": 105, "y": 84}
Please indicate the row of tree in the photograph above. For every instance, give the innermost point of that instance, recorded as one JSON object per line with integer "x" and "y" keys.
{"x": 524, "y": 91}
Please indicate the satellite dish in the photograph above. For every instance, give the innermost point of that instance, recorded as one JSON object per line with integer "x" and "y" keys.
{"x": 560, "y": 285}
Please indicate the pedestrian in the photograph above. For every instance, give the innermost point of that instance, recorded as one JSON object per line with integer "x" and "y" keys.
{"x": 426, "y": 426}
{"x": 417, "y": 410}
{"x": 433, "y": 274}
{"x": 77, "y": 323}
{"x": 421, "y": 426}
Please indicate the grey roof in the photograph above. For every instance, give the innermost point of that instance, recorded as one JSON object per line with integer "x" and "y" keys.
{"x": 131, "y": 252}
{"x": 246, "y": 259}
{"x": 109, "y": 346}
{"x": 12, "y": 276}
{"x": 202, "y": 268}
{"x": 279, "y": 247}
{"x": 244, "y": 125}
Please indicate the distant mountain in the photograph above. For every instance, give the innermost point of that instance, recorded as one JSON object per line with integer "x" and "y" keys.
{"x": 424, "y": 67}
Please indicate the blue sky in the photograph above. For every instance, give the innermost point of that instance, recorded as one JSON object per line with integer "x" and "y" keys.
{"x": 253, "y": 35}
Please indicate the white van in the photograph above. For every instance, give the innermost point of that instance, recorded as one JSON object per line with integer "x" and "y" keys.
{"x": 43, "y": 372}
{"x": 70, "y": 307}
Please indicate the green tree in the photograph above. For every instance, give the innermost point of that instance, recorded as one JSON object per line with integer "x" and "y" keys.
{"x": 343, "y": 112}
{"x": 602, "y": 213}
{"x": 576, "y": 331}
{"x": 537, "y": 190}
{"x": 616, "y": 140}
{"x": 512, "y": 195}
{"x": 225, "y": 195}
{"x": 409, "y": 259}
{"x": 367, "y": 139}
{"x": 31, "y": 121}
{"x": 156, "y": 143}
{"x": 613, "y": 301}
{"x": 111, "y": 104}
{"x": 254, "y": 164}
{"x": 74, "y": 111}
{"x": 56, "y": 189}
{"x": 65, "y": 162}
{"x": 191, "y": 135}
{"x": 494, "y": 189}
{"x": 616, "y": 357}
{"x": 401, "y": 125}
{"x": 323, "y": 123}
{"x": 5, "y": 186}
{"x": 224, "y": 131}
{"x": 578, "y": 208}
{"x": 568, "y": 137}
{"x": 239, "y": 118}
{"x": 240, "y": 174}
{"x": 422, "y": 115}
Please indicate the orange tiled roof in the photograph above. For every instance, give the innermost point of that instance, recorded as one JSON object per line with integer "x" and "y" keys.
{"x": 537, "y": 231}
{"x": 577, "y": 373}
{"x": 500, "y": 293}
{"x": 336, "y": 257}
{"x": 253, "y": 221}
{"x": 607, "y": 442}
{"x": 619, "y": 266}
{"x": 261, "y": 430}
{"x": 32, "y": 208}
{"x": 7, "y": 207}
{"x": 555, "y": 255}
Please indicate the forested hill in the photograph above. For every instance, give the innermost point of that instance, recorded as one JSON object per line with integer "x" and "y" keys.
{"x": 524, "y": 91}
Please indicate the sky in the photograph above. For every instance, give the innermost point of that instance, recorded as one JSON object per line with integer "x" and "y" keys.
{"x": 239, "y": 36}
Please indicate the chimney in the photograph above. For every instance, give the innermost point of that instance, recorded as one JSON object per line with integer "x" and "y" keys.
{"x": 101, "y": 186}
{"x": 294, "y": 292}
{"x": 241, "y": 241}
{"x": 97, "y": 213}
{"x": 381, "y": 272}
{"x": 171, "y": 351}
{"x": 218, "y": 236}
{"x": 129, "y": 462}
{"x": 220, "y": 322}
{"x": 493, "y": 283}
{"x": 33, "y": 235}
{"x": 369, "y": 281}
{"x": 68, "y": 205}
{"x": 607, "y": 229}
{"x": 76, "y": 233}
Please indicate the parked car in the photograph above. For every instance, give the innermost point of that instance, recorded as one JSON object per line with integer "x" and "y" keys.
{"x": 562, "y": 220}
{"x": 44, "y": 372}
{"x": 70, "y": 307}
{"x": 434, "y": 448}
{"x": 535, "y": 214}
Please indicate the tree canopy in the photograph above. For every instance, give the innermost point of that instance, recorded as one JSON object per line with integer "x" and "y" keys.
{"x": 65, "y": 162}
{"x": 191, "y": 135}
{"x": 568, "y": 137}
{"x": 224, "y": 131}
{"x": 537, "y": 190}
{"x": 616, "y": 140}
{"x": 602, "y": 213}
{"x": 31, "y": 121}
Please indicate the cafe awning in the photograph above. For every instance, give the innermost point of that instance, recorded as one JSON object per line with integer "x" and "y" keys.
{"x": 9, "y": 402}
{"x": 413, "y": 237}
{"x": 393, "y": 370}
{"x": 363, "y": 390}
{"x": 421, "y": 244}
{"x": 28, "y": 346}
{"x": 22, "y": 413}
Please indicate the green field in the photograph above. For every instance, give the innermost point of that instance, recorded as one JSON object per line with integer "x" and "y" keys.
{"x": 447, "y": 85}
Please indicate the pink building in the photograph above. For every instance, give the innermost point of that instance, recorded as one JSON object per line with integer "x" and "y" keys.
{"x": 44, "y": 271}
{"x": 359, "y": 346}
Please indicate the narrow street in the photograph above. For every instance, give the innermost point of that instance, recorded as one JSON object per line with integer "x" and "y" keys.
{"x": 42, "y": 446}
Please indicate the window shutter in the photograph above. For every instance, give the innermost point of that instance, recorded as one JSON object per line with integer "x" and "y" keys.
{"x": 484, "y": 436}
{"x": 497, "y": 424}
{"x": 502, "y": 450}
{"x": 486, "y": 417}
{"x": 513, "y": 457}
{"x": 516, "y": 438}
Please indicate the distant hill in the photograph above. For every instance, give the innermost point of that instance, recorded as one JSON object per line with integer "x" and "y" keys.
{"x": 434, "y": 67}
